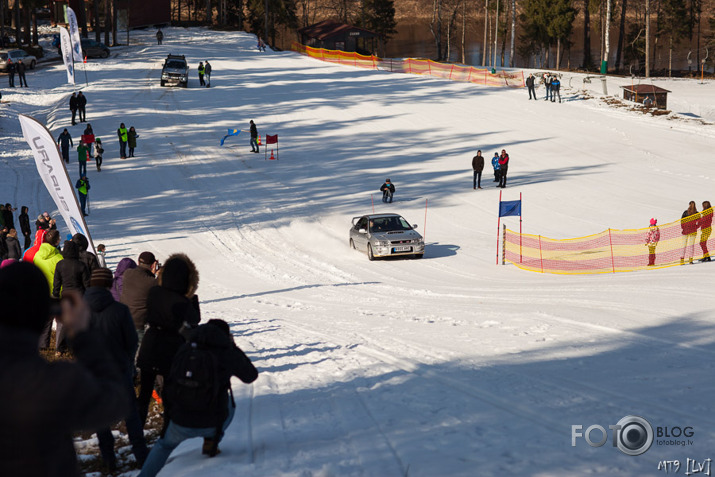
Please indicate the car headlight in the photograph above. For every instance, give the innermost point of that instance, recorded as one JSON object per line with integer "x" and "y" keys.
{"x": 164, "y": 76}
{"x": 183, "y": 78}
{"x": 383, "y": 243}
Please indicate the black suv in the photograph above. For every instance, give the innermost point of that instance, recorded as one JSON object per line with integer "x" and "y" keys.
{"x": 175, "y": 71}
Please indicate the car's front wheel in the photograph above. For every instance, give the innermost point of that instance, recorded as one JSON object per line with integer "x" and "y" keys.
{"x": 418, "y": 255}
{"x": 105, "y": 54}
{"x": 32, "y": 64}
{"x": 162, "y": 83}
{"x": 352, "y": 244}
{"x": 370, "y": 256}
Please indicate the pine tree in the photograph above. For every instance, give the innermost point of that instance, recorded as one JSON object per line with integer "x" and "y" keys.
{"x": 380, "y": 18}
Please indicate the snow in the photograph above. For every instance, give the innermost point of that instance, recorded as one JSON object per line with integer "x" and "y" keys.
{"x": 449, "y": 365}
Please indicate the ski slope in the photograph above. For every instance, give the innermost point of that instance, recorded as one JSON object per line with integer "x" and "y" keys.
{"x": 445, "y": 366}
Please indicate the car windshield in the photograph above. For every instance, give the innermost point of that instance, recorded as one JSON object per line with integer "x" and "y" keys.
{"x": 389, "y": 224}
{"x": 174, "y": 64}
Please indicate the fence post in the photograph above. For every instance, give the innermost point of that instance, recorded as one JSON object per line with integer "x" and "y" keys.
{"x": 610, "y": 241}
{"x": 522, "y": 78}
{"x": 429, "y": 68}
{"x": 485, "y": 77}
{"x": 409, "y": 65}
{"x": 450, "y": 72}
{"x": 503, "y": 245}
{"x": 469, "y": 77}
{"x": 541, "y": 256}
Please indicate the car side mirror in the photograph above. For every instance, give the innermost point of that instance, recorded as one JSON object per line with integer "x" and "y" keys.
{"x": 362, "y": 231}
{"x": 414, "y": 226}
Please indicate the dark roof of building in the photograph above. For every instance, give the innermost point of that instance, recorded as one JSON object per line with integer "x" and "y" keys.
{"x": 327, "y": 28}
{"x": 645, "y": 89}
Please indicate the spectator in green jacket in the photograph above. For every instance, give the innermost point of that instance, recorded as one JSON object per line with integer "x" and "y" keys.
{"x": 82, "y": 156}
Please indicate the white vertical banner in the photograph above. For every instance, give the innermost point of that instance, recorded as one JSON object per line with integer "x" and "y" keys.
{"x": 74, "y": 35}
{"x": 53, "y": 173}
{"x": 67, "y": 53}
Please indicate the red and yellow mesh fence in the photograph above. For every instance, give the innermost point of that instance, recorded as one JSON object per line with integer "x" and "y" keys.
{"x": 613, "y": 250}
{"x": 468, "y": 74}
{"x": 337, "y": 56}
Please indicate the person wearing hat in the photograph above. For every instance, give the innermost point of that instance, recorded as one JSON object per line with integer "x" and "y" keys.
{"x": 387, "y": 189}
{"x": 172, "y": 306}
{"x": 135, "y": 289}
{"x": 44, "y": 403}
{"x": 113, "y": 321}
{"x": 651, "y": 240}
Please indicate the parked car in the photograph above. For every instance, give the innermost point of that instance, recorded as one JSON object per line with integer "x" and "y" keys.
{"x": 385, "y": 235}
{"x": 175, "y": 71}
{"x": 29, "y": 60}
{"x": 92, "y": 48}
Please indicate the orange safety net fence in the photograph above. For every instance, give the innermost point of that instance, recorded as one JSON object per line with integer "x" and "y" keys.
{"x": 468, "y": 74}
{"x": 610, "y": 251}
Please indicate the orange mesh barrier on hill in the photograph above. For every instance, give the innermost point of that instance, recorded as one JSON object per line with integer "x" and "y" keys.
{"x": 613, "y": 250}
{"x": 337, "y": 56}
{"x": 451, "y": 72}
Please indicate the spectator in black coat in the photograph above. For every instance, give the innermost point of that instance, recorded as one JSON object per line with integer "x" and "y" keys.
{"x": 70, "y": 273}
{"x": 42, "y": 404}
{"x": 388, "y": 188}
{"x": 65, "y": 142}
{"x": 81, "y": 105}
{"x": 88, "y": 258}
{"x": 11, "y": 72}
{"x": 3, "y": 244}
{"x": 7, "y": 216}
{"x": 170, "y": 306}
{"x": 13, "y": 245}
{"x": 73, "y": 107}
{"x": 20, "y": 67}
{"x": 530, "y": 85}
{"x": 136, "y": 283}
{"x": 25, "y": 228}
{"x": 215, "y": 337}
{"x": 114, "y": 322}
{"x": 478, "y": 167}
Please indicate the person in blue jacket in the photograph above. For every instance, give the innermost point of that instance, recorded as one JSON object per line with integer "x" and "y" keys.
{"x": 555, "y": 89}
{"x": 495, "y": 165}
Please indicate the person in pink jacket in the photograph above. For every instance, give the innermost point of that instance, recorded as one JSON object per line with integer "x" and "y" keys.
{"x": 651, "y": 240}
{"x": 503, "y": 168}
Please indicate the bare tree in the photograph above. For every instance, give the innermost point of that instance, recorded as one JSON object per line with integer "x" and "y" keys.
{"x": 647, "y": 38}
{"x": 621, "y": 34}
{"x": 435, "y": 26}
{"x": 513, "y": 33}
{"x": 486, "y": 30}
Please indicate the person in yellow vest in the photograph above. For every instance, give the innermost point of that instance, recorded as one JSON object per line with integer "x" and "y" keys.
{"x": 123, "y": 135}
{"x": 202, "y": 70}
{"x": 83, "y": 187}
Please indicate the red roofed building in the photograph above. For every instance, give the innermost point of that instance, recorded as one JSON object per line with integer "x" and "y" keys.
{"x": 339, "y": 36}
{"x": 647, "y": 94}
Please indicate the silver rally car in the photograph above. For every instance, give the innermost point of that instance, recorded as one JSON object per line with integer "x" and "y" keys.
{"x": 385, "y": 235}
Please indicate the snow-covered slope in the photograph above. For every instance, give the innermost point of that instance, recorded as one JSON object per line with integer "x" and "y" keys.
{"x": 449, "y": 365}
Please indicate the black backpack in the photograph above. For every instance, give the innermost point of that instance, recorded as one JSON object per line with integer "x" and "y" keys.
{"x": 194, "y": 394}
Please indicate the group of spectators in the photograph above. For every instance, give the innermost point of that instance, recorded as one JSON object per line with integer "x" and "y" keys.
{"x": 121, "y": 327}
{"x": 552, "y": 84}
{"x": 500, "y": 164}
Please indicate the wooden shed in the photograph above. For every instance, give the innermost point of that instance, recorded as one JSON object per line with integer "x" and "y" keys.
{"x": 647, "y": 94}
{"x": 339, "y": 36}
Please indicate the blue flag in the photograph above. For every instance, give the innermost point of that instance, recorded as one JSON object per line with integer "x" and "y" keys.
{"x": 509, "y": 207}
{"x": 231, "y": 132}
